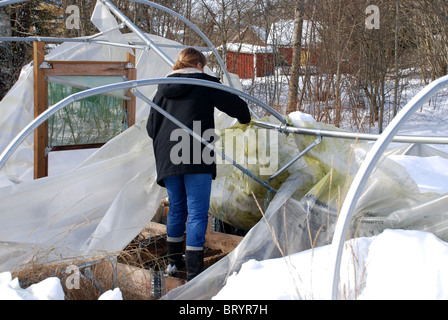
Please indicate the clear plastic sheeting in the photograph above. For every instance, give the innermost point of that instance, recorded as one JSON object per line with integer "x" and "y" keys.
{"x": 17, "y": 107}
{"x": 262, "y": 152}
{"x": 258, "y": 244}
{"x": 96, "y": 208}
{"x": 392, "y": 199}
{"x": 101, "y": 203}
{"x": 93, "y": 120}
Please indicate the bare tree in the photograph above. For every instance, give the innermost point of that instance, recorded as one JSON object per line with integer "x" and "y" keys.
{"x": 22, "y": 20}
{"x": 296, "y": 57}
{"x": 429, "y": 19}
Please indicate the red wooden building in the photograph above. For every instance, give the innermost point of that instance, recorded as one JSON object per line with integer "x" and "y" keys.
{"x": 249, "y": 61}
{"x": 252, "y": 53}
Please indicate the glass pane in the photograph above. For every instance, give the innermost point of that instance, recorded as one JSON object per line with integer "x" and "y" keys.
{"x": 95, "y": 119}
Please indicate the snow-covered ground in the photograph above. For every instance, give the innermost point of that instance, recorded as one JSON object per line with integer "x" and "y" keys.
{"x": 48, "y": 289}
{"x": 395, "y": 264}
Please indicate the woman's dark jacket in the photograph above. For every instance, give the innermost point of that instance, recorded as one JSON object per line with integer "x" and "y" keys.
{"x": 189, "y": 103}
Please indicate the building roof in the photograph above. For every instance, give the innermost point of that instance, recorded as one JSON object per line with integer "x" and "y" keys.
{"x": 247, "y": 48}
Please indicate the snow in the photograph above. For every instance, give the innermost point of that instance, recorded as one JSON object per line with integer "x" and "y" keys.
{"x": 406, "y": 265}
{"x": 114, "y": 294}
{"x": 48, "y": 289}
{"x": 247, "y": 48}
{"x": 301, "y": 119}
{"x": 396, "y": 264}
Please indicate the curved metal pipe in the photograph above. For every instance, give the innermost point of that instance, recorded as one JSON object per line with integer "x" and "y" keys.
{"x": 148, "y": 42}
{"x": 137, "y": 31}
{"x": 366, "y": 169}
{"x": 202, "y": 140}
{"x": 196, "y": 29}
{"x": 8, "y": 2}
{"x": 6, "y": 154}
{"x": 350, "y": 135}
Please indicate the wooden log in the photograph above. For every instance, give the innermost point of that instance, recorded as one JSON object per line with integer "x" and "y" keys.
{"x": 137, "y": 281}
{"x": 213, "y": 240}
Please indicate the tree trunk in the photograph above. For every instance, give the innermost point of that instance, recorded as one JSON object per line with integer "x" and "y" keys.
{"x": 296, "y": 55}
{"x": 397, "y": 79}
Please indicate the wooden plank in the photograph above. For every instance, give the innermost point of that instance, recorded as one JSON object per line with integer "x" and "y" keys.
{"x": 86, "y": 68}
{"x": 40, "y": 105}
{"x": 78, "y": 146}
{"x": 87, "y": 62}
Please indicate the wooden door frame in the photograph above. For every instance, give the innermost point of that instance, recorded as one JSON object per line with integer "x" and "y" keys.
{"x": 43, "y": 68}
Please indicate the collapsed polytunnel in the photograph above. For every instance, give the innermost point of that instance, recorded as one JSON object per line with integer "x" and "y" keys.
{"x": 98, "y": 206}
{"x": 303, "y": 213}
{"x": 71, "y": 213}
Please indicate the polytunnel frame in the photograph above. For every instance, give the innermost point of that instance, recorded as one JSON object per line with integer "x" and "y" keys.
{"x": 192, "y": 26}
{"x": 350, "y": 135}
{"x": 366, "y": 168}
{"x": 126, "y": 21}
{"x": 360, "y": 178}
{"x": 133, "y": 85}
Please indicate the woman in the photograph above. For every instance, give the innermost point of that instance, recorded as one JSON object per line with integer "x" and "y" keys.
{"x": 188, "y": 182}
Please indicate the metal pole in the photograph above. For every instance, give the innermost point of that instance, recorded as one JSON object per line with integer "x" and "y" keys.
{"x": 61, "y": 80}
{"x": 87, "y": 40}
{"x": 200, "y": 139}
{"x": 196, "y": 29}
{"x": 350, "y": 135}
{"x": 120, "y": 26}
{"x": 45, "y": 39}
{"x": 297, "y": 157}
{"x": 8, "y": 2}
{"x": 148, "y": 41}
{"x": 137, "y": 31}
{"x": 152, "y": 45}
{"x": 14, "y": 144}
{"x": 366, "y": 169}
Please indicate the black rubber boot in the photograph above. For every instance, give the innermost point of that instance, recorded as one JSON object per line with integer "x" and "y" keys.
{"x": 174, "y": 255}
{"x": 194, "y": 261}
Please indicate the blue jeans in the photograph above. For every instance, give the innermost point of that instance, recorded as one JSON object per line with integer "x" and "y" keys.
{"x": 189, "y": 196}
